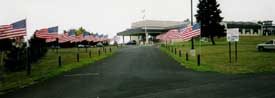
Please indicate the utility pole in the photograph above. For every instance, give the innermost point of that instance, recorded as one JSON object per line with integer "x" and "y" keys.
{"x": 145, "y": 28}
{"x": 192, "y": 40}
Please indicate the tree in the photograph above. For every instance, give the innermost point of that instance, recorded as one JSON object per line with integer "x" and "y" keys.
{"x": 80, "y": 31}
{"x": 208, "y": 15}
{"x": 6, "y": 44}
{"x": 38, "y": 48}
{"x": 15, "y": 59}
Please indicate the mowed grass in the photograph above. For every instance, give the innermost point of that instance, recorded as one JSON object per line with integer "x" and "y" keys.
{"x": 216, "y": 58}
{"x": 47, "y": 67}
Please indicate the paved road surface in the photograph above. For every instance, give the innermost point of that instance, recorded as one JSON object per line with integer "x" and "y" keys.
{"x": 146, "y": 72}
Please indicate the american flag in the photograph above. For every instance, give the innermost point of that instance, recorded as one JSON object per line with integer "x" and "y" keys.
{"x": 101, "y": 37}
{"x": 186, "y": 33}
{"x": 96, "y": 37}
{"x": 162, "y": 37}
{"x": 159, "y": 36}
{"x": 196, "y": 30}
{"x": 50, "y": 40}
{"x": 71, "y": 36}
{"x": 92, "y": 38}
{"x": 173, "y": 34}
{"x": 87, "y": 36}
{"x": 63, "y": 38}
{"x": 47, "y": 33}
{"x": 17, "y": 29}
{"x": 79, "y": 38}
{"x": 190, "y": 31}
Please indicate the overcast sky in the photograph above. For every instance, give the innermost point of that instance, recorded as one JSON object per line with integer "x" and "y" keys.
{"x": 112, "y": 16}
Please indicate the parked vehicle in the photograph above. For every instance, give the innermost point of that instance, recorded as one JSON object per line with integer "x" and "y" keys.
{"x": 55, "y": 47}
{"x": 99, "y": 44}
{"x": 270, "y": 45}
{"x": 81, "y": 46}
{"x": 132, "y": 42}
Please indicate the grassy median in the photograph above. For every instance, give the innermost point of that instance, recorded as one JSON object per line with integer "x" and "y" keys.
{"x": 215, "y": 58}
{"x": 48, "y": 67}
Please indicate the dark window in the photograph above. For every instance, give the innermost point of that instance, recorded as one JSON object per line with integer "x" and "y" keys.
{"x": 269, "y": 42}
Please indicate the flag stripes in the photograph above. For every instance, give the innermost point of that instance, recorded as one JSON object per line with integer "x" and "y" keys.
{"x": 184, "y": 34}
{"x": 17, "y": 29}
{"x": 47, "y": 33}
{"x": 5, "y": 27}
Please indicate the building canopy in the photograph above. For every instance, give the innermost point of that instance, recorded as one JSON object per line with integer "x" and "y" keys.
{"x": 153, "y": 27}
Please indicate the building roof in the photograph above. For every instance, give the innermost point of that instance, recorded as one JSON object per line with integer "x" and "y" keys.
{"x": 242, "y": 24}
{"x": 156, "y": 23}
{"x": 153, "y": 27}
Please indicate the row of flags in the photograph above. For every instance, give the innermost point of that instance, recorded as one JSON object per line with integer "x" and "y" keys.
{"x": 51, "y": 34}
{"x": 184, "y": 34}
{"x": 18, "y": 30}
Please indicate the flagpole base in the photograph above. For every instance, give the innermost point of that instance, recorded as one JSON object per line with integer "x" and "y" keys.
{"x": 193, "y": 52}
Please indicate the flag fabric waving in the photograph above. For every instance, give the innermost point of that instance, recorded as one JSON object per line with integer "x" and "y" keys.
{"x": 79, "y": 38}
{"x": 63, "y": 38}
{"x": 87, "y": 37}
{"x": 173, "y": 34}
{"x": 184, "y": 34}
{"x": 47, "y": 33}
{"x": 159, "y": 36}
{"x": 4, "y": 27}
{"x": 72, "y": 35}
{"x": 50, "y": 40}
{"x": 196, "y": 30}
{"x": 190, "y": 31}
{"x": 17, "y": 29}
{"x": 67, "y": 37}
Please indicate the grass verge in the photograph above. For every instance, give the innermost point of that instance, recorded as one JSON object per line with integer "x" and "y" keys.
{"x": 48, "y": 67}
{"x": 216, "y": 58}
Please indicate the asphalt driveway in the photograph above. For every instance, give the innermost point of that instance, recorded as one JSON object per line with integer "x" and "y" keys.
{"x": 146, "y": 72}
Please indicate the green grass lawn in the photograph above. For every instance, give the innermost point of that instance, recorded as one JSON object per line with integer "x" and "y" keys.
{"x": 47, "y": 67}
{"x": 216, "y": 58}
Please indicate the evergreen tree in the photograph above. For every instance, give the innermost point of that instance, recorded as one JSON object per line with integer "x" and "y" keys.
{"x": 208, "y": 15}
{"x": 38, "y": 48}
{"x": 6, "y": 44}
{"x": 16, "y": 59}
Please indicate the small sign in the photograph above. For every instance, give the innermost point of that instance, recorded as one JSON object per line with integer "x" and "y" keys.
{"x": 233, "y": 35}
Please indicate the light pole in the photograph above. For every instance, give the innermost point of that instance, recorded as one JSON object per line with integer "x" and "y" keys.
{"x": 145, "y": 28}
{"x": 192, "y": 40}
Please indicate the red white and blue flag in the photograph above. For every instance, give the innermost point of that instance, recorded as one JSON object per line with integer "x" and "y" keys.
{"x": 70, "y": 36}
{"x": 47, "y": 33}
{"x": 17, "y": 29}
{"x": 173, "y": 34}
{"x": 190, "y": 31}
{"x": 184, "y": 34}
{"x": 196, "y": 30}
{"x": 63, "y": 38}
{"x": 87, "y": 37}
{"x": 160, "y": 37}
